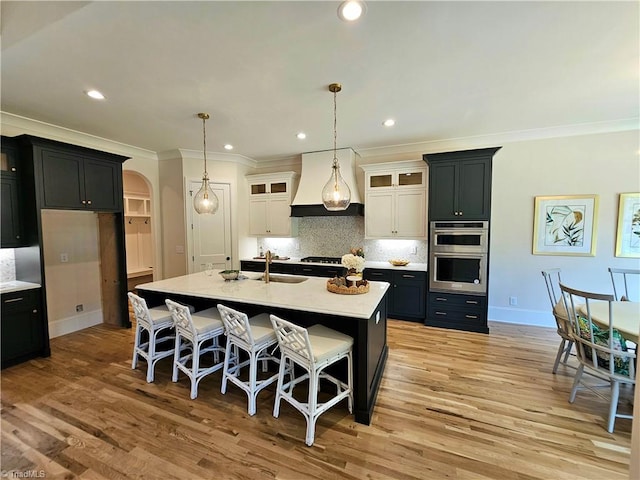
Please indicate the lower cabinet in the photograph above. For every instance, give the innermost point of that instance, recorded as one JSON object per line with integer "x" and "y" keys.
{"x": 457, "y": 311}
{"x": 407, "y": 294}
{"x": 23, "y": 330}
{"x": 328, "y": 271}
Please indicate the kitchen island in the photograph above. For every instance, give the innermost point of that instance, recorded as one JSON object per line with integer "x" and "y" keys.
{"x": 305, "y": 302}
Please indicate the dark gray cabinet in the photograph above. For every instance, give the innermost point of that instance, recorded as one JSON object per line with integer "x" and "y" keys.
{"x": 11, "y": 226}
{"x": 11, "y": 235}
{"x": 328, "y": 271}
{"x": 407, "y": 292}
{"x": 75, "y": 180}
{"x": 460, "y": 184}
{"x": 457, "y": 311}
{"x": 23, "y": 329}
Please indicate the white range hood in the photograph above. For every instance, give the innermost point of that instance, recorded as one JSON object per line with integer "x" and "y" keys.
{"x": 316, "y": 169}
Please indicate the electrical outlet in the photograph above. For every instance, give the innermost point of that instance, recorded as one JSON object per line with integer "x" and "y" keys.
{"x": 513, "y": 301}
{"x": 79, "y": 308}
{"x": 64, "y": 257}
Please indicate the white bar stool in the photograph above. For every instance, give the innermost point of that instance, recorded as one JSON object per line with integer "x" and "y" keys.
{"x": 313, "y": 349}
{"x": 255, "y": 336}
{"x": 195, "y": 330}
{"x": 154, "y": 321}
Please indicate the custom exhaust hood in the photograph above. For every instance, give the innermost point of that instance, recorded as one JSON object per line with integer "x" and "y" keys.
{"x": 316, "y": 168}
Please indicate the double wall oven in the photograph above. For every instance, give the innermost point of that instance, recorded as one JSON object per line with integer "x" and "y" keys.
{"x": 458, "y": 257}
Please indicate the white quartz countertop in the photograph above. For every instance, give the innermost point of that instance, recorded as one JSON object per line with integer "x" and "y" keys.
{"x": 310, "y": 296}
{"x": 420, "y": 267}
{"x": 17, "y": 286}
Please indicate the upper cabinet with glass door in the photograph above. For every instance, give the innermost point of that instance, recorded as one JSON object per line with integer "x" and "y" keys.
{"x": 396, "y": 200}
{"x": 270, "y": 197}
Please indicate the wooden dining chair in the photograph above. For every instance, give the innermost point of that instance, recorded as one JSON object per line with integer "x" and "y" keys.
{"x": 552, "y": 280}
{"x": 620, "y": 280}
{"x": 600, "y": 348}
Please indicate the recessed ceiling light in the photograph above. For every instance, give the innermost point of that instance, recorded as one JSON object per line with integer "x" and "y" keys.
{"x": 228, "y": 146}
{"x": 351, "y": 10}
{"x": 95, "y": 94}
{"x": 390, "y": 122}
{"x": 301, "y": 136}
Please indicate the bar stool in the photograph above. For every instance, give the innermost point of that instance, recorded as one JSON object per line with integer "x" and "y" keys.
{"x": 195, "y": 330}
{"x": 255, "y": 336}
{"x": 313, "y": 349}
{"x": 153, "y": 321}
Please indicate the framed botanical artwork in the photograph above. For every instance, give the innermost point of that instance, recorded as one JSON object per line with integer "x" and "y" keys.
{"x": 628, "y": 235}
{"x": 565, "y": 225}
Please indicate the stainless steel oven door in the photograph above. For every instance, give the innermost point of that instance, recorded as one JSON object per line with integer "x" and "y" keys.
{"x": 473, "y": 240}
{"x": 458, "y": 273}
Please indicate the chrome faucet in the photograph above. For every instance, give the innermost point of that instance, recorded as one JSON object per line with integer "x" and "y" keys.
{"x": 267, "y": 261}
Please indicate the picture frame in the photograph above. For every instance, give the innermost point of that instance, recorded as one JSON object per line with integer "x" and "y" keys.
{"x": 628, "y": 232}
{"x": 565, "y": 225}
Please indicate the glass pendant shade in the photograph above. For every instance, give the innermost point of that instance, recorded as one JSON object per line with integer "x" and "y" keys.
{"x": 336, "y": 194}
{"x": 205, "y": 201}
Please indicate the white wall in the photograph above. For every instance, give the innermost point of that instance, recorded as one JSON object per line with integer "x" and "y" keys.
{"x": 77, "y": 281}
{"x": 605, "y": 164}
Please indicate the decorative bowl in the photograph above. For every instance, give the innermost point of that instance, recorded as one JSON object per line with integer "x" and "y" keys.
{"x": 230, "y": 274}
{"x": 399, "y": 262}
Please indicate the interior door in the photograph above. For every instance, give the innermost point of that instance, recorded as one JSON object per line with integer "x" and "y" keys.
{"x": 210, "y": 235}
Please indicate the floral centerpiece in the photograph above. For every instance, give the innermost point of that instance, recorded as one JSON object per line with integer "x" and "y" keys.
{"x": 353, "y": 263}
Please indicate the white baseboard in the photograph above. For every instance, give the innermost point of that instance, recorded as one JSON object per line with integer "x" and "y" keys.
{"x": 63, "y": 326}
{"x": 520, "y": 316}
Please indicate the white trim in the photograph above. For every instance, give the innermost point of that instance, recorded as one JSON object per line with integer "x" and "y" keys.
{"x": 66, "y": 135}
{"x": 213, "y": 156}
{"x": 64, "y": 326}
{"x": 521, "y": 316}
{"x": 479, "y": 141}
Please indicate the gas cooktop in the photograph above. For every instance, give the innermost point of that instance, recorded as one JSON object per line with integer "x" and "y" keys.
{"x": 336, "y": 260}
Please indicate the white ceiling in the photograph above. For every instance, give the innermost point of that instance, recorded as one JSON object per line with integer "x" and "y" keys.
{"x": 443, "y": 70}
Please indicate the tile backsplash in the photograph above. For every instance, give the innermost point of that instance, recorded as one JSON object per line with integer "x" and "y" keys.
{"x": 335, "y": 236}
{"x": 7, "y": 265}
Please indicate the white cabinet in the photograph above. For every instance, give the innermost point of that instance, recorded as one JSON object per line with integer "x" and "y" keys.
{"x": 396, "y": 200}
{"x": 270, "y": 197}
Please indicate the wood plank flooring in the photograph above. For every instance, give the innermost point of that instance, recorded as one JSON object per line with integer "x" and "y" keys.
{"x": 452, "y": 405}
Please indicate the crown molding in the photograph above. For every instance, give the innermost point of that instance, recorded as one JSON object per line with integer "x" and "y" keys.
{"x": 37, "y": 128}
{"x": 213, "y": 156}
{"x": 415, "y": 150}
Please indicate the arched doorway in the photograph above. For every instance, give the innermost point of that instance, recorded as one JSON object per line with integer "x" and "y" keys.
{"x": 139, "y": 243}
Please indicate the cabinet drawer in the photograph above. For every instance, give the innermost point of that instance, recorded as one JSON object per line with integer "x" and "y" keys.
{"x": 19, "y": 301}
{"x": 249, "y": 266}
{"x": 452, "y": 300}
{"x": 378, "y": 275}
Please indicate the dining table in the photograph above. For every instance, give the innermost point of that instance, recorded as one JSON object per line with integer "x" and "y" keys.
{"x": 626, "y": 316}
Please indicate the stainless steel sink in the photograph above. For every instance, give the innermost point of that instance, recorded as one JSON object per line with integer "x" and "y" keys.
{"x": 283, "y": 278}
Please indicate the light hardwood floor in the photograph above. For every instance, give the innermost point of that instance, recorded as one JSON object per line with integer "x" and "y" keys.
{"x": 452, "y": 405}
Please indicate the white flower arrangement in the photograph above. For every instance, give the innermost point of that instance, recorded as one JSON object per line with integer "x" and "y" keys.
{"x": 353, "y": 262}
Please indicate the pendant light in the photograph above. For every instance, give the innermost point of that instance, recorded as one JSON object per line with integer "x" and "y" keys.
{"x": 336, "y": 194}
{"x": 205, "y": 200}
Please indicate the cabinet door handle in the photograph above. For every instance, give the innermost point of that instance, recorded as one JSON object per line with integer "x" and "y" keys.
{"x": 472, "y": 302}
{"x": 441, "y": 313}
{"x": 375, "y": 274}
{"x": 11, "y": 300}
{"x": 35, "y": 310}
{"x": 84, "y": 202}
{"x": 89, "y": 202}
{"x": 473, "y": 317}
{"x": 440, "y": 299}
{"x": 408, "y": 276}
{"x": 13, "y": 169}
